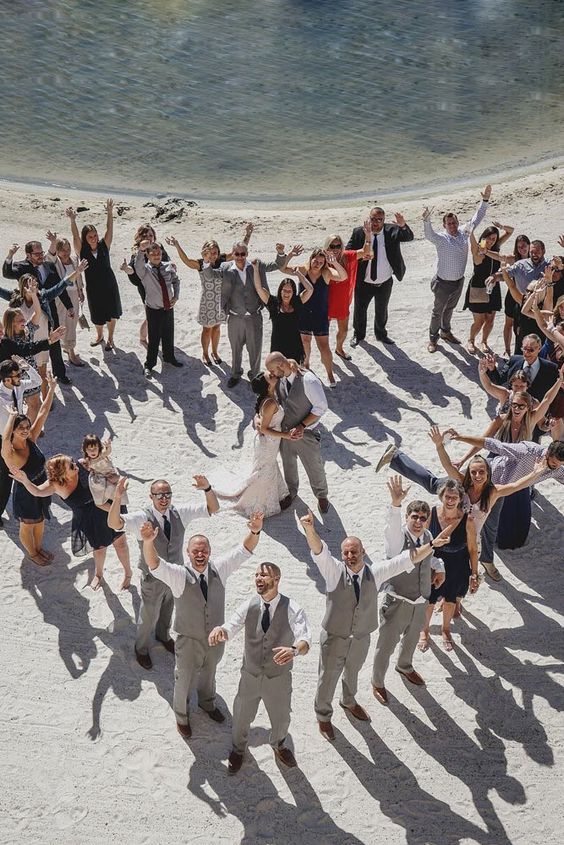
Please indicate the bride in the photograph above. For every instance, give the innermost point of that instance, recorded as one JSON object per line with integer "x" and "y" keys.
{"x": 265, "y": 487}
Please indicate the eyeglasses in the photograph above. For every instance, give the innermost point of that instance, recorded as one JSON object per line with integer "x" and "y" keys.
{"x": 41, "y": 252}
{"x": 518, "y": 406}
{"x": 529, "y": 348}
{"x": 162, "y": 496}
{"x": 239, "y": 254}
{"x": 418, "y": 517}
{"x": 335, "y": 246}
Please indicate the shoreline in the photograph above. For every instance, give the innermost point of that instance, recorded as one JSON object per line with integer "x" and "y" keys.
{"x": 541, "y": 167}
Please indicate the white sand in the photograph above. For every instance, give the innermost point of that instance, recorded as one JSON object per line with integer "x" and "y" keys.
{"x": 89, "y": 752}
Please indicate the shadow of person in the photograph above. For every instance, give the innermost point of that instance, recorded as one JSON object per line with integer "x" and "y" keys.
{"x": 393, "y": 785}
{"x": 128, "y": 381}
{"x": 185, "y": 392}
{"x": 496, "y": 708}
{"x": 464, "y": 758}
{"x": 252, "y": 798}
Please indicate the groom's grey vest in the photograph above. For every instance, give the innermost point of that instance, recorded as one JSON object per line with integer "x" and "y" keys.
{"x": 196, "y": 617}
{"x": 170, "y": 550}
{"x": 296, "y": 405}
{"x": 416, "y": 583}
{"x": 343, "y": 616}
{"x": 257, "y": 659}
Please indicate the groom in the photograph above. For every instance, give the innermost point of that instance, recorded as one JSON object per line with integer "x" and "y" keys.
{"x": 303, "y": 399}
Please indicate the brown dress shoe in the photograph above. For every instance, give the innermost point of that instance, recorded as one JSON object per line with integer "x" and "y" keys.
{"x": 357, "y": 711}
{"x": 144, "y": 660}
{"x": 215, "y": 715}
{"x": 413, "y": 677}
{"x": 234, "y": 763}
{"x": 285, "y": 756}
{"x": 185, "y": 731}
{"x": 323, "y": 504}
{"x": 380, "y": 694}
{"x": 448, "y": 336}
{"x": 432, "y": 346}
{"x": 168, "y": 644}
{"x": 285, "y": 502}
{"x": 326, "y": 730}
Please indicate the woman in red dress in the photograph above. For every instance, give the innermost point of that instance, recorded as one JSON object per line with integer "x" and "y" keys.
{"x": 341, "y": 293}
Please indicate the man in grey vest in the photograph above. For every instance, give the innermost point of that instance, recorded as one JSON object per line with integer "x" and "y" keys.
{"x": 276, "y": 631}
{"x": 402, "y": 613}
{"x": 199, "y": 599}
{"x": 242, "y": 304}
{"x": 302, "y": 396}
{"x": 157, "y": 603}
{"x": 350, "y": 617}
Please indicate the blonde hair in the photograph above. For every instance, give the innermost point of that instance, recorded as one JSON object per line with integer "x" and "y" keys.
{"x": 56, "y": 469}
{"x": 8, "y": 318}
{"x": 526, "y": 427}
{"x": 556, "y": 309}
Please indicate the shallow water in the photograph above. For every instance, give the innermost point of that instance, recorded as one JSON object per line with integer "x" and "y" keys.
{"x": 277, "y": 98}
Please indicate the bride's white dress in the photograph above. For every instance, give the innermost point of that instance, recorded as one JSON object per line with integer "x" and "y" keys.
{"x": 264, "y": 488}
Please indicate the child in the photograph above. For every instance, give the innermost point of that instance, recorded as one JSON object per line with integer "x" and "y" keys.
{"x": 103, "y": 474}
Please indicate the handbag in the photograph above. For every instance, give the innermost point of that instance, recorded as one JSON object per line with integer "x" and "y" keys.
{"x": 478, "y": 295}
{"x": 82, "y": 321}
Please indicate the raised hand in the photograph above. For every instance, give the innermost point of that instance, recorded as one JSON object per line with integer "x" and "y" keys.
{"x": 121, "y": 486}
{"x": 82, "y": 266}
{"x": 490, "y": 362}
{"x": 307, "y": 521}
{"x": 249, "y": 228}
{"x": 397, "y": 490}
{"x": 51, "y": 381}
{"x": 71, "y": 213}
{"x": 400, "y": 220}
{"x": 255, "y": 262}
{"x": 12, "y": 251}
{"x": 171, "y": 241}
{"x": 482, "y": 365}
{"x": 255, "y": 522}
{"x": 367, "y": 226}
{"x": 109, "y": 206}
{"x": 486, "y": 193}
{"x": 51, "y": 236}
{"x": 218, "y": 635}
{"x": 200, "y": 482}
{"x": 297, "y": 249}
{"x": 561, "y": 241}
{"x": 435, "y": 435}
{"x": 148, "y": 531}
{"x": 426, "y": 215}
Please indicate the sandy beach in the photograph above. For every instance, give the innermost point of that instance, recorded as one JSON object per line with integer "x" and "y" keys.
{"x": 89, "y": 751}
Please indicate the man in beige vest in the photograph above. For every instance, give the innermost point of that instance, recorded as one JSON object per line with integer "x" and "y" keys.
{"x": 276, "y": 631}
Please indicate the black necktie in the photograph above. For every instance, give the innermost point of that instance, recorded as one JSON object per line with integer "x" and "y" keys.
{"x": 418, "y": 543}
{"x": 356, "y": 586}
{"x": 166, "y": 523}
{"x": 15, "y": 398}
{"x": 265, "y": 621}
{"x": 374, "y": 262}
{"x": 204, "y": 586}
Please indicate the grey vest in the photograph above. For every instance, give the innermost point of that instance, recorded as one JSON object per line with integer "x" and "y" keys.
{"x": 195, "y": 617}
{"x": 416, "y": 583}
{"x": 296, "y": 405}
{"x": 257, "y": 659}
{"x": 343, "y": 616}
{"x": 170, "y": 550}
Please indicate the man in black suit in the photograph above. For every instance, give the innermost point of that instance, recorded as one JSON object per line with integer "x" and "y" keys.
{"x": 542, "y": 373}
{"x": 46, "y": 276}
{"x": 374, "y": 277}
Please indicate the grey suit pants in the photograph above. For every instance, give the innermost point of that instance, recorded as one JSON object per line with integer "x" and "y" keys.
{"x": 398, "y": 620}
{"x": 447, "y": 295}
{"x": 155, "y": 612}
{"x": 245, "y": 331}
{"x": 308, "y": 450}
{"x": 276, "y": 693}
{"x": 338, "y": 656}
{"x": 196, "y": 664}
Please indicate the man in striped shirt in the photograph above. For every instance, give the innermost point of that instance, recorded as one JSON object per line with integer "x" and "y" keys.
{"x": 452, "y": 254}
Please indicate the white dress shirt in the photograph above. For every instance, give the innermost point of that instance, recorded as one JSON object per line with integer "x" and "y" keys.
{"x": 452, "y": 250}
{"x": 176, "y": 576}
{"x": 332, "y": 569}
{"x": 132, "y": 522}
{"x": 296, "y": 617}
{"x": 383, "y": 266}
{"x": 393, "y": 543}
{"x": 314, "y": 391}
{"x": 30, "y": 379}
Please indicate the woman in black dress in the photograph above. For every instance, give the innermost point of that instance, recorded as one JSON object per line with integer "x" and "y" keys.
{"x": 89, "y": 529}
{"x": 482, "y": 299}
{"x": 143, "y": 233}
{"x": 20, "y": 451}
{"x": 102, "y": 290}
{"x": 460, "y": 558}
{"x": 285, "y": 310}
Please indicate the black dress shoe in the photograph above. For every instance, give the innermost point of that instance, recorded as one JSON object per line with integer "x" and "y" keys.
{"x": 63, "y": 380}
{"x": 285, "y": 502}
{"x": 234, "y": 763}
{"x": 185, "y": 731}
{"x": 233, "y": 381}
{"x": 387, "y": 340}
{"x": 144, "y": 660}
{"x": 354, "y": 342}
{"x": 215, "y": 715}
{"x": 148, "y": 373}
{"x": 323, "y": 504}
{"x": 168, "y": 644}
{"x": 174, "y": 363}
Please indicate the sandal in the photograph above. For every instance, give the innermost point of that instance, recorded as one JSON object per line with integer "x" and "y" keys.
{"x": 39, "y": 560}
{"x": 487, "y": 350}
{"x": 343, "y": 355}
{"x": 109, "y": 347}
{"x": 206, "y": 360}
{"x": 471, "y": 347}
{"x": 423, "y": 644}
{"x": 96, "y": 582}
{"x": 447, "y": 642}
{"x": 216, "y": 358}
{"x": 97, "y": 342}
{"x": 47, "y": 555}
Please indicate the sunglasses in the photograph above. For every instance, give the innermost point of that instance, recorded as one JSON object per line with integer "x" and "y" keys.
{"x": 239, "y": 254}
{"x": 335, "y": 246}
{"x": 417, "y": 517}
{"x": 162, "y": 496}
{"x": 518, "y": 406}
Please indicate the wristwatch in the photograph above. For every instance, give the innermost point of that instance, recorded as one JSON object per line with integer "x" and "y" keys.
{"x": 295, "y": 650}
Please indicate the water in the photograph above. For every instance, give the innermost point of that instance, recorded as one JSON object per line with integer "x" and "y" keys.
{"x": 277, "y": 99}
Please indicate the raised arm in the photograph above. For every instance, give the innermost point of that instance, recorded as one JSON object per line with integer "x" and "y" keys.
{"x": 263, "y": 294}
{"x": 485, "y": 365}
{"x": 201, "y": 483}
{"x": 531, "y": 303}
{"x": 312, "y": 537}
{"x": 255, "y": 527}
{"x": 446, "y": 462}
{"x": 490, "y": 431}
{"x": 507, "y": 232}
{"x": 428, "y": 230}
{"x": 7, "y": 448}
{"x": 513, "y": 289}
{"x": 335, "y": 271}
{"x": 41, "y": 417}
{"x": 115, "y": 520}
{"x": 477, "y": 254}
{"x": 308, "y": 287}
{"x": 41, "y": 491}
{"x": 77, "y": 242}
{"x": 192, "y": 263}
{"x": 109, "y": 234}
{"x": 149, "y": 533}
{"x": 548, "y": 398}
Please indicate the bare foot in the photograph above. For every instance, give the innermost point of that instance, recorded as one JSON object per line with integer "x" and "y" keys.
{"x": 126, "y": 582}
{"x": 470, "y": 346}
{"x": 46, "y": 554}
{"x": 423, "y": 643}
{"x": 39, "y": 560}
{"x": 96, "y": 581}
{"x": 447, "y": 641}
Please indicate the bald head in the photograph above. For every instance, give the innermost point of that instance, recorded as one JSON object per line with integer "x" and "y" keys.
{"x": 352, "y": 552}
{"x": 199, "y": 551}
{"x": 278, "y": 364}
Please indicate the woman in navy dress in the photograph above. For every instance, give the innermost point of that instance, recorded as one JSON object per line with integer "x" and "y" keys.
{"x": 89, "y": 529}
{"x": 102, "y": 290}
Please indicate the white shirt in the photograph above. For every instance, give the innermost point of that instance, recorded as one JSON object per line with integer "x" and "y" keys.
{"x": 176, "y": 576}
{"x": 29, "y": 380}
{"x": 296, "y": 617}
{"x": 452, "y": 250}
{"x": 383, "y": 266}
{"x": 393, "y": 544}
{"x": 332, "y": 569}
{"x": 314, "y": 391}
{"x": 243, "y": 272}
{"x": 132, "y": 522}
